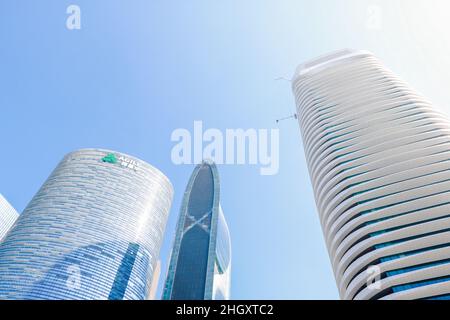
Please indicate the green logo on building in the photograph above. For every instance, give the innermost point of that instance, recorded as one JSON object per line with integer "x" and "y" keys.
{"x": 110, "y": 158}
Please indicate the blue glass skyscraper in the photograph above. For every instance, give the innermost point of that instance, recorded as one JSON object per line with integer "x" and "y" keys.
{"x": 8, "y": 215}
{"x": 93, "y": 231}
{"x": 200, "y": 263}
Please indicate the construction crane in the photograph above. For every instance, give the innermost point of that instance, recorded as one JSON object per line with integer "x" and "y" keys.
{"x": 294, "y": 116}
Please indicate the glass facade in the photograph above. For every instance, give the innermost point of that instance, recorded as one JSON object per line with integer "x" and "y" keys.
{"x": 93, "y": 231}
{"x": 8, "y": 215}
{"x": 379, "y": 160}
{"x": 200, "y": 263}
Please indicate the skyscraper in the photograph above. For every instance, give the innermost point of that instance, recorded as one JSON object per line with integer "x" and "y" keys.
{"x": 200, "y": 264}
{"x": 93, "y": 231}
{"x": 8, "y": 215}
{"x": 378, "y": 155}
{"x": 155, "y": 281}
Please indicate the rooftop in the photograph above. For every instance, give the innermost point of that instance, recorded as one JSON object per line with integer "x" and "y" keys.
{"x": 328, "y": 60}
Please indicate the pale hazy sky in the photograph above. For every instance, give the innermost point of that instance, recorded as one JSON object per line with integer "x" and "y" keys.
{"x": 137, "y": 70}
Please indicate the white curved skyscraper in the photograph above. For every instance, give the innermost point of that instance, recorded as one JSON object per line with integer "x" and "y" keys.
{"x": 92, "y": 231}
{"x": 379, "y": 160}
{"x": 8, "y": 215}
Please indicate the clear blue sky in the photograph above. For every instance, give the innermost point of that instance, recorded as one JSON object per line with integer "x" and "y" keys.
{"x": 137, "y": 70}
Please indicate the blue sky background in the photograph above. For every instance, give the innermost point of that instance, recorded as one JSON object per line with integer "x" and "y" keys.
{"x": 137, "y": 70}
